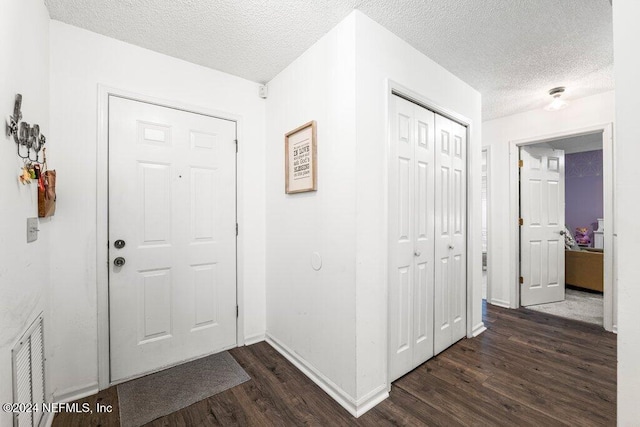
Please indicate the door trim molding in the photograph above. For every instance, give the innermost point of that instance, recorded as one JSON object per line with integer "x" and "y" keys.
{"x": 610, "y": 305}
{"x": 474, "y": 283}
{"x": 102, "y": 214}
{"x": 487, "y": 150}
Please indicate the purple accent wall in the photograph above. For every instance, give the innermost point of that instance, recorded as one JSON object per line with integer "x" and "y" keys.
{"x": 583, "y": 190}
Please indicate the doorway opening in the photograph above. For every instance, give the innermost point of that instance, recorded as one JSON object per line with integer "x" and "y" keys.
{"x": 565, "y": 258}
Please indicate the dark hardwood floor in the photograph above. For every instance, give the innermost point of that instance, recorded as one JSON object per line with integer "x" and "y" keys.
{"x": 528, "y": 368}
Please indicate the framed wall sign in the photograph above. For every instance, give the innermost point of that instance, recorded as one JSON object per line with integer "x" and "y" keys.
{"x": 300, "y": 160}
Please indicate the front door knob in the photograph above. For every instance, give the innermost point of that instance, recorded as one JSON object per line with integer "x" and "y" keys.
{"x": 119, "y": 244}
{"x": 119, "y": 262}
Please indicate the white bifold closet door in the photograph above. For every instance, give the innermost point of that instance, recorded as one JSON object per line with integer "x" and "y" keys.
{"x": 411, "y": 237}
{"x": 426, "y": 194}
{"x": 451, "y": 233}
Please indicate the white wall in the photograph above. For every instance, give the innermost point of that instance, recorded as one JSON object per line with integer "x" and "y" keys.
{"x": 334, "y": 321}
{"x": 312, "y": 313}
{"x": 581, "y": 113}
{"x": 626, "y": 33}
{"x": 80, "y": 60}
{"x": 24, "y": 268}
{"x": 381, "y": 55}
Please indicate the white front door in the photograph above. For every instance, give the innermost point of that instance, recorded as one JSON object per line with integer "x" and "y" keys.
{"x": 542, "y": 213}
{"x": 450, "y": 309}
{"x": 172, "y": 190}
{"x": 410, "y": 237}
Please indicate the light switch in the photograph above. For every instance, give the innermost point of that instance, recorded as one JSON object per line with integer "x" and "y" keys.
{"x": 32, "y": 229}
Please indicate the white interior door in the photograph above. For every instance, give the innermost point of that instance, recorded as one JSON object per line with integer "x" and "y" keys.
{"x": 542, "y": 212}
{"x": 450, "y": 309}
{"x": 172, "y": 187}
{"x": 411, "y": 237}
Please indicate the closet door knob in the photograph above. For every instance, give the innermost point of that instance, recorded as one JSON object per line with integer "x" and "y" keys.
{"x": 417, "y": 253}
{"x": 451, "y": 247}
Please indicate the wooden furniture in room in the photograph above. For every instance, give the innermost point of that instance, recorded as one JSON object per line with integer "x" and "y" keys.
{"x": 584, "y": 269}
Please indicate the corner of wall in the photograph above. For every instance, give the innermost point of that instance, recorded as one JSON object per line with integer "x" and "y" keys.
{"x": 382, "y": 56}
{"x": 24, "y": 274}
{"x": 311, "y": 313}
{"x": 627, "y": 150}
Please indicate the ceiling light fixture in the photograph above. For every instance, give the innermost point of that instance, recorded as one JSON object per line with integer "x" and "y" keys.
{"x": 557, "y": 103}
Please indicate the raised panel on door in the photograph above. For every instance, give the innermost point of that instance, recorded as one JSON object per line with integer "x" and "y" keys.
{"x": 154, "y": 311}
{"x": 172, "y": 200}
{"x": 542, "y": 211}
{"x": 155, "y": 203}
{"x": 205, "y": 284}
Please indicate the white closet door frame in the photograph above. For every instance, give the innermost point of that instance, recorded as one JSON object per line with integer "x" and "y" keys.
{"x": 394, "y": 88}
{"x": 102, "y": 205}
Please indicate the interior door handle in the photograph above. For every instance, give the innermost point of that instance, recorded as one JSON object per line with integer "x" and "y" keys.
{"x": 451, "y": 247}
{"x": 416, "y": 253}
{"x": 119, "y": 262}
{"x": 562, "y": 232}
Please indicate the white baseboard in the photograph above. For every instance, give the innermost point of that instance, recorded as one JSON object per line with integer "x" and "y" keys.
{"x": 371, "y": 399}
{"x": 254, "y": 339}
{"x": 355, "y": 408}
{"x": 500, "y": 303}
{"x": 69, "y": 395}
{"x": 47, "y": 419}
{"x": 478, "y": 329}
{"x": 75, "y": 393}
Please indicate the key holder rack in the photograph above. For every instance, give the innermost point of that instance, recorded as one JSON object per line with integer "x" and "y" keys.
{"x": 25, "y": 135}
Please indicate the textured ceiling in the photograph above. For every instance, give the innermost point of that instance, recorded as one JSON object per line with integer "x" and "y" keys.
{"x": 512, "y": 51}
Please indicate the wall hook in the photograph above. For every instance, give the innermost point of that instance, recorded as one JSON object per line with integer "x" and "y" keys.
{"x": 24, "y": 134}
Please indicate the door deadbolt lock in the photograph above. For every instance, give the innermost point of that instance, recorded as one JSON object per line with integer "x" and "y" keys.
{"x": 119, "y": 262}
{"x": 119, "y": 244}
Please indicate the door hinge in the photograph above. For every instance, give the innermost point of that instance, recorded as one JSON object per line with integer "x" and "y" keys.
{"x": 237, "y": 312}
{"x": 520, "y": 163}
{"x": 520, "y": 221}
{"x": 236, "y": 228}
{"x": 521, "y": 280}
{"x": 236, "y": 145}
